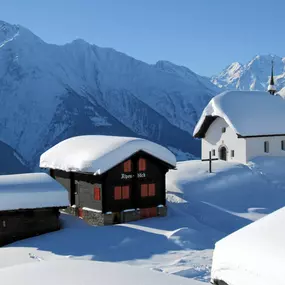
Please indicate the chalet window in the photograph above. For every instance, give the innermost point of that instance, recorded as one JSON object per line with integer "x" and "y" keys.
{"x": 213, "y": 152}
{"x": 223, "y": 130}
{"x": 142, "y": 164}
{"x": 122, "y": 192}
{"x": 97, "y": 194}
{"x": 126, "y": 192}
{"x": 232, "y": 153}
{"x": 128, "y": 166}
{"x": 144, "y": 190}
{"x": 266, "y": 146}
{"x": 148, "y": 190}
{"x": 283, "y": 145}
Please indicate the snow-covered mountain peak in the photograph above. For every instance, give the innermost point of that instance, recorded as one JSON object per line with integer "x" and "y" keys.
{"x": 254, "y": 75}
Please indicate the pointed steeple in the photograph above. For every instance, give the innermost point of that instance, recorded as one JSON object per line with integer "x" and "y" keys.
{"x": 271, "y": 87}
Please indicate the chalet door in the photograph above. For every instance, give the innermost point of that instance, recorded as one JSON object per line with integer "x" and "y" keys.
{"x": 223, "y": 153}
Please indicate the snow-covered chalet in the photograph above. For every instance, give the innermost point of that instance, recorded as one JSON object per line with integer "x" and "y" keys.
{"x": 241, "y": 125}
{"x": 111, "y": 179}
{"x": 29, "y": 205}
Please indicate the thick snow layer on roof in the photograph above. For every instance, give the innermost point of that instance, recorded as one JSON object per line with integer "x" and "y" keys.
{"x": 97, "y": 154}
{"x": 254, "y": 255}
{"x": 30, "y": 191}
{"x": 71, "y": 272}
{"x": 248, "y": 113}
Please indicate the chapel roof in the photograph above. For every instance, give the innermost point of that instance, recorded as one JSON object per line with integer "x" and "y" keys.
{"x": 248, "y": 113}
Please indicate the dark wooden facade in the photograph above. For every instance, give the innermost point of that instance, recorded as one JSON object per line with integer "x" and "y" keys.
{"x": 136, "y": 183}
{"x": 19, "y": 224}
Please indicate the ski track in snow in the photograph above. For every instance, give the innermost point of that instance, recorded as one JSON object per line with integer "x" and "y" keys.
{"x": 202, "y": 209}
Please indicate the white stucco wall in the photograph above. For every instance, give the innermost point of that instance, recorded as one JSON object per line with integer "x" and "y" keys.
{"x": 214, "y": 139}
{"x": 255, "y": 147}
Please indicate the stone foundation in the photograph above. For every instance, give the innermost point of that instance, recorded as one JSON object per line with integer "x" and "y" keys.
{"x": 161, "y": 211}
{"x": 93, "y": 217}
{"x": 130, "y": 216}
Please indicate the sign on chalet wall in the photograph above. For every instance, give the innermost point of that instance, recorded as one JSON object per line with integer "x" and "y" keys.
{"x": 130, "y": 176}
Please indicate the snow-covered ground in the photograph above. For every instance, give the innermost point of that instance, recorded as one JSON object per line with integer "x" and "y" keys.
{"x": 203, "y": 208}
{"x": 85, "y": 272}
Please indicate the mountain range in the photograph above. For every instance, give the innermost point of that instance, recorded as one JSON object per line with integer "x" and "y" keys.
{"x": 254, "y": 75}
{"x": 50, "y": 92}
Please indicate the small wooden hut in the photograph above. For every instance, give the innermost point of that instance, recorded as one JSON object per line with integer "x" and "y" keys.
{"x": 29, "y": 205}
{"x": 111, "y": 179}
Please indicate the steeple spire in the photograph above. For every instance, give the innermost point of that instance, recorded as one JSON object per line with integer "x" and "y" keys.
{"x": 271, "y": 87}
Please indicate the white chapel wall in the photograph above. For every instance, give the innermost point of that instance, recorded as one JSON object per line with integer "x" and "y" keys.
{"x": 215, "y": 138}
{"x": 255, "y": 147}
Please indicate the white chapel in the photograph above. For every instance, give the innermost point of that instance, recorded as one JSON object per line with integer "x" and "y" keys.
{"x": 241, "y": 125}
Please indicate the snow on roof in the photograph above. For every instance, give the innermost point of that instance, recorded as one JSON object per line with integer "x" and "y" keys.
{"x": 253, "y": 255}
{"x": 97, "y": 154}
{"x": 30, "y": 191}
{"x": 78, "y": 272}
{"x": 248, "y": 113}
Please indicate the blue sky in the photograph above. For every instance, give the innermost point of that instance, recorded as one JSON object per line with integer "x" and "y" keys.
{"x": 204, "y": 35}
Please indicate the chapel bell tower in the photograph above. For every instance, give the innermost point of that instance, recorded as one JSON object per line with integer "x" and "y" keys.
{"x": 271, "y": 87}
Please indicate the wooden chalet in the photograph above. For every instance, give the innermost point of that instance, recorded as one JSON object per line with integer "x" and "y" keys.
{"x": 29, "y": 206}
{"x": 111, "y": 179}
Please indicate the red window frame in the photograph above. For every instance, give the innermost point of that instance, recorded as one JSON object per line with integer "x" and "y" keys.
{"x": 142, "y": 164}
{"x": 126, "y": 192}
{"x": 97, "y": 194}
{"x": 118, "y": 193}
{"x": 128, "y": 166}
{"x": 148, "y": 190}
{"x": 151, "y": 190}
{"x": 144, "y": 190}
{"x": 122, "y": 192}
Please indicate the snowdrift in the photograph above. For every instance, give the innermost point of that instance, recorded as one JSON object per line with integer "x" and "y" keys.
{"x": 66, "y": 272}
{"x": 254, "y": 255}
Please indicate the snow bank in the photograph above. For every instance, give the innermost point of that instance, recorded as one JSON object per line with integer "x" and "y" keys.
{"x": 98, "y": 154}
{"x": 67, "y": 272}
{"x": 254, "y": 255}
{"x": 248, "y": 113}
{"x": 29, "y": 191}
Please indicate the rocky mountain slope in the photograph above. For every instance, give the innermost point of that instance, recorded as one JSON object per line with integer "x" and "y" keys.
{"x": 11, "y": 161}
{"x": 253, "y": 75}
{"x": 50, "y": 92}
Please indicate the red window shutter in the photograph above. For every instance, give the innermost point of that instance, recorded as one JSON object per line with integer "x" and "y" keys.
{"x": 118, "y": 193}
{"x": 128, "y": 166}
{"x": 80, "y": 213}
{"x": 144, "y": 190}
{"x": 142, "y": 164}
{"x": 151, "y": 189}
{"x": 97, "y": 194}
{"x": 126, "y": 192}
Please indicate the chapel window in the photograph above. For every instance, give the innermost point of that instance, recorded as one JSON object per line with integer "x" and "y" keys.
{"x": 266, "y": 146}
